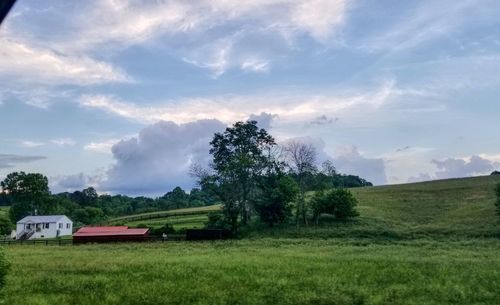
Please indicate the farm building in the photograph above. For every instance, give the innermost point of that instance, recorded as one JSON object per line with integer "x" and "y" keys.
{"x": 49, "y": 226}
{"x": 109, "y": 234}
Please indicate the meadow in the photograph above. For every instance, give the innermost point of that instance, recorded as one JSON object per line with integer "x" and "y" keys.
{"x": 424, "y": 243}
{"x": 264, "y": 271}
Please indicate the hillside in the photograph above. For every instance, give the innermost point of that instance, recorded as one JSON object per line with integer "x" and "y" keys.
{"x": 454, "y": 207}
{"x": 179, "y": 219}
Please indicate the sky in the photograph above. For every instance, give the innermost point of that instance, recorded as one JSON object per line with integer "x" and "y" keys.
{"x": 125, "y": 95}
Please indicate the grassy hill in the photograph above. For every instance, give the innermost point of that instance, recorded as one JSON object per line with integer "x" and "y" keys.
{"x": 179, "y": 219}
{"x": 454, "y": 207}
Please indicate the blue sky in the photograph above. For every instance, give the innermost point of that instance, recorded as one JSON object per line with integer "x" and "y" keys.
{"x": 125, "y": 95}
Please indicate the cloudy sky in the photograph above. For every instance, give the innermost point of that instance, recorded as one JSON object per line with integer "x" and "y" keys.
{"x": 125, "y": 95}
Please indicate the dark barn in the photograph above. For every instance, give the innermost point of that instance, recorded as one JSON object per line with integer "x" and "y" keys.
{"x": 109, "y": 234}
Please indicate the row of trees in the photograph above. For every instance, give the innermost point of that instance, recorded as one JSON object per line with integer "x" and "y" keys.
{"x": 29, "y": 194}
{"x": 251, "y": 174}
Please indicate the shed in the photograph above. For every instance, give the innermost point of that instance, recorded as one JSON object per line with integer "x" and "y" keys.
{"x": 110, "y": 234}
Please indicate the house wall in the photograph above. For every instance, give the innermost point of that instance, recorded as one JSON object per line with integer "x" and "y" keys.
{"x": 51, "y": 232}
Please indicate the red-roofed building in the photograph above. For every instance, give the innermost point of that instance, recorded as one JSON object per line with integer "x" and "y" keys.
{"x": 109, "y": 234}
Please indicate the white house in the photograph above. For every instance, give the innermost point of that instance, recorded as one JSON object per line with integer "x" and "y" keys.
{"x": 33, "y": 227}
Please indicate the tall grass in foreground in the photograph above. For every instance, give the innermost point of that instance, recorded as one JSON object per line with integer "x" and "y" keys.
{"x": 265, "y": 271}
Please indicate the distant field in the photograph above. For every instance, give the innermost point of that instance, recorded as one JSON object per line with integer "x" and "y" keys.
{"x": 179, "y": 219}
{"x": 263, "y": 271}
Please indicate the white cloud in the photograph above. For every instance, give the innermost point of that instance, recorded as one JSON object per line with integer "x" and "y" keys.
{"x": 159, "y": 158}
{"x": 229, "y": 109}
{"x": 456, "y": 167}
{"x": 101, "y": 147}
{"x": 63, "y": 141}
{"x": 21, "y": 62}
{"x": 31, "y": 144}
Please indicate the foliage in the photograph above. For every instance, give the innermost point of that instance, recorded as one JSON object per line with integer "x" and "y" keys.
{"x": 4, "y": 267}
{"x": 338, "y": 202}
{"x": 6, "y": 225}
{"x": 30, "y": 193}
{"x": 240, "y": 154}
{"x": 301, "y": 160}
{"x": 497, "y": 191}
{"x": 273, "y": 202}
{"x": 495, "y": 173}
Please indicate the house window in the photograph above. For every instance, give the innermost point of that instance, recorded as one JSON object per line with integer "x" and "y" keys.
{"x": 68, "y": 226}
{"x": 60, "y": 226}
{"x": 28, "y": 226}
{"x": 47, "y": 225}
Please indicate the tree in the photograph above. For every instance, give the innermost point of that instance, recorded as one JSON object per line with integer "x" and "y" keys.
{"x": 29, "y": 191}
{"x": 273, "y": 202}
{"x": 5, "y": 225}
{"x": 497, "y": 203}
{"x": 301, "y": 160}
{"x": 177, "y": 198}
{"x": 339, "y": 202}
{"x": 240, "y": 154}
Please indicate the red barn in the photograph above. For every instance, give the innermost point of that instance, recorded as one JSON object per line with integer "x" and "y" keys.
{"x": 109, "y": 234}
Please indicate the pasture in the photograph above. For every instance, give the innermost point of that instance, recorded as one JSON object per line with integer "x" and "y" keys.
{"x": 180, "y": 219}
{"x": 263, "y": 271}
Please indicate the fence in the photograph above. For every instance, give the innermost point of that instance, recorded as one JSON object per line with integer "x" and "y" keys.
{"x": 153, "y": 216}
{"x": 65, "y": 242}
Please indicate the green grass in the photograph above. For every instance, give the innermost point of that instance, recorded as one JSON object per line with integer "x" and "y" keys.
{"x": 425, "y": 243}
{"x": 4, "y": 210}
{"x": 173, "y": 217}
{"x": 439, "y": 209}
{"x": 265, "y": 271}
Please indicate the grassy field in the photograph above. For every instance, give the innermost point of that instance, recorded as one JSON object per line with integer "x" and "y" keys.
{"x": 425, "y": 243}
{"x": 265, "y": 271}
{"x": 455, "y": 208}
{"x": 193, "y": 218}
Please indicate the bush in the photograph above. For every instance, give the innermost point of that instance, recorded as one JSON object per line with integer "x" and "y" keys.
{"x": 216, "y": 220}
{"x": 273, "y": 204}
{"x": 4, "y": 266}
{"x": 497, "y": 203}
{"x": 5, "y": 225}
{"x": 340, "y": 203}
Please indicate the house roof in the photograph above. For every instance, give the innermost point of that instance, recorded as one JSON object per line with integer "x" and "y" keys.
{"x": 40, "y": 219}
{"x": 110, "y": 231}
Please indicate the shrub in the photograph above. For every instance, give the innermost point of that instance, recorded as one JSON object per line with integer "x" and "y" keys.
{"x": 5, "y": 225}
{"x": 339, "y": 202}
{"x": 216, "y": 220}
{"x": 4, "y": 266}
{"x": 497, "y": 203}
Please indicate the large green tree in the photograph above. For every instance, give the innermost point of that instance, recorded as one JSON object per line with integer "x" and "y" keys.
{"x": 30, "y": 192}
{"x": 276, "y": 193}
{"x": 240, "y": 154}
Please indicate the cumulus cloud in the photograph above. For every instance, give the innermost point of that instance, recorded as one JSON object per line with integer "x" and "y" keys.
{"x": 263, "y": 119}
{"x": 159, "y": 158}
{"x": 10, "y": 160}
{"x": 454, "y": 167}
{"x": 348, "y": 160}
